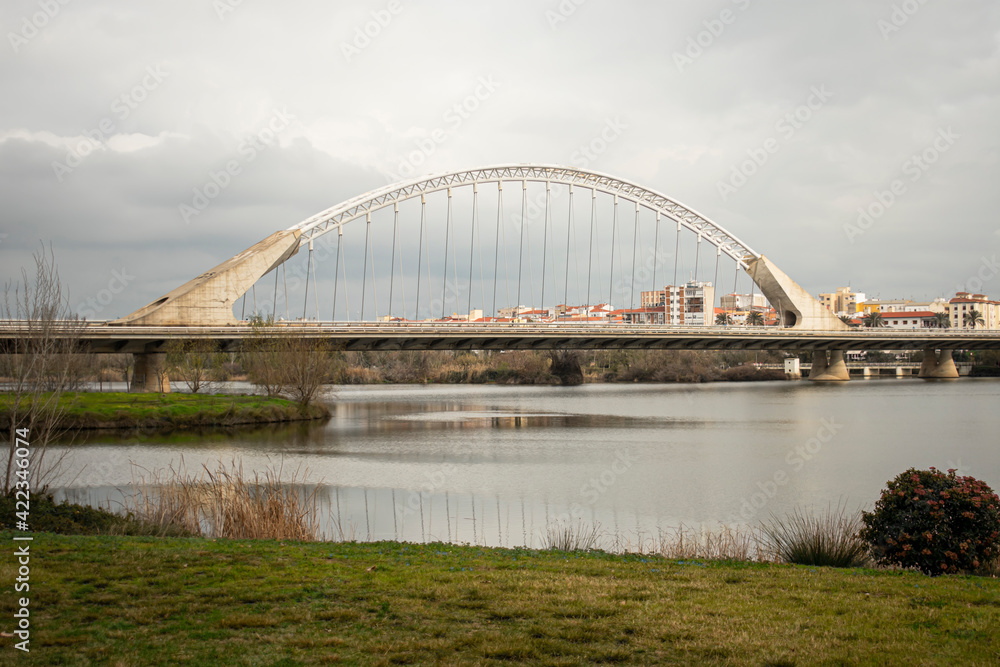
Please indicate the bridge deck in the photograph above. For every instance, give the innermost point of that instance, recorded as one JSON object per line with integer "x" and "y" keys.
{"x": 106, "y": 338}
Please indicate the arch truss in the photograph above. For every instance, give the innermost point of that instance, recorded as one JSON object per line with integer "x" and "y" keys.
{"x": 210, "y": 298}
{"x": 334, "y": 218}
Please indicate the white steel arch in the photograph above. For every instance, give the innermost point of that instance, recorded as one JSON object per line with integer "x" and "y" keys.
{"x": 335, "y": 217}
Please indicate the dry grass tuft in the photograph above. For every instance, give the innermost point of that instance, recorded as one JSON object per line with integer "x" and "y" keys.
{"x": 564, "y": 536}
{"x": 226, "y": 502}
{"x": 828, "y": 539}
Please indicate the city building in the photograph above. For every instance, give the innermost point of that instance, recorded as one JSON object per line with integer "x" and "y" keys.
{"x": 740, "y": 302}
{"x": 920, "y": 319}
{"x": 964, "y": 303}
{"x": 843, "y": 301}
{"x": 879, "y": 306}
{"x": 641, "y": 316}
{"x": 939, "y": 305}
{"x": 691, "y": 304}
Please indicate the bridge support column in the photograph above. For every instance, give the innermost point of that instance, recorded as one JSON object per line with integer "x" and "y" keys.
{"x": 832, "y": 369}
{"x": 937, "y": 366}
{"x": 149, "y": 374}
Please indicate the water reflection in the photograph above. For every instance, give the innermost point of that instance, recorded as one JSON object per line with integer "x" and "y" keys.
{"x": 497, "y": 465}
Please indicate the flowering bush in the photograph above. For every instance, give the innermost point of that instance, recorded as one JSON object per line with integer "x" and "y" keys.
{"x": 939, "y": 523}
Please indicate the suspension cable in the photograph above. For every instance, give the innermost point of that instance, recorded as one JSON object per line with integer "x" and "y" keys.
{"x": 635, "y": 249}
{"x": 569, "y": 230}
{"x": 447, "y": 231}
{"x": 343, "y": 268}
{"x": 336, "y": 270}
{"x": 715, "y": 282}
{"x": 496, "y": 250}
{"x": 392, "y": 262}
{"x": 590, "y": 255}
{"x": 420, "y": 254}
{"x": 374, "y": 284}
{"x": 697, "y": 256}
{"x": 656, "y": 249}
{"x": 520, "y": 255}
{"x": 545, "y": 238}
{"x": 284, "y": 280}
{"x": 614, "y": 228}
{"x": 364, "y": 271}
{"x": 305, "y": 299}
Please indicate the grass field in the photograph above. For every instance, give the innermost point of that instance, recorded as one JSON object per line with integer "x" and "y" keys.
{"x": 168, "y": 601}
{"x": 124, "y": 410}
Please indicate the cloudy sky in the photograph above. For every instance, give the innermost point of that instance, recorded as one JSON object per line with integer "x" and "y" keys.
{"x": 782, "y": 121}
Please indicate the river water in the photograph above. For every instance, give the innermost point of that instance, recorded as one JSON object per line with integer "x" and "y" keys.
{"x": 499, "y": 465}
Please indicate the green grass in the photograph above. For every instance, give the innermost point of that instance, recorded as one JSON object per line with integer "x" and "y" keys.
{"x": 168, "y": 601}
{"x": 124, "y": 410}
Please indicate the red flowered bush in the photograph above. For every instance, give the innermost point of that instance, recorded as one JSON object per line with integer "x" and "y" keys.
{"x": 940, "y": 523}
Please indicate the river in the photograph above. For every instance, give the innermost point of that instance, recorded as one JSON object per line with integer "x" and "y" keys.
{"x": 498, "y": 465}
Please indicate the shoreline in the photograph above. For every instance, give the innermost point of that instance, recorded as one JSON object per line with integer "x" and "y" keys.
{"x": 120, "y": 411}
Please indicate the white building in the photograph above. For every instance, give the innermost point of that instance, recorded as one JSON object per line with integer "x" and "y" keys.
{"x": 730, "y": 302}
{"x": 691, "y": 304}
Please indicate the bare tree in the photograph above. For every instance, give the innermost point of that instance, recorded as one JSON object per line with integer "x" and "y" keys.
{"x": 261, "y": 356}
{"x": 41, "y": 367}
{"x": 306, "y": 366}
{"x": 195, "y": 362}
{"x": 283, "y": 365}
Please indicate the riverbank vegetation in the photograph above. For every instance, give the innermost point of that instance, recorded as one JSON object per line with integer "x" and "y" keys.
{"x": 166, "y": 601}
{"x": 117, "y": 410}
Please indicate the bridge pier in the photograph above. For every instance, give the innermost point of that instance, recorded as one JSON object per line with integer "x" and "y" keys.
{"x": 832, "y": 369}
{"x": 938, "y": 366}
{"x": 149, "y": 374}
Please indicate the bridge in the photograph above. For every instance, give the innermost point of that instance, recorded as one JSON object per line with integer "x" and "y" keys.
{"x": 505, "y": 244}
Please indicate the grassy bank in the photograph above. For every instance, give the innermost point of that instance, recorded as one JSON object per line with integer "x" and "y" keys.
{"x": 166, "y": 601}
{"x": 128, "y": 411}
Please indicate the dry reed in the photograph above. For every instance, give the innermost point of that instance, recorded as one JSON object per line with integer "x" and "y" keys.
{"x": 223, "y": 501}
{"x": 725, "y": 543}
{"x": 562, "y": 536}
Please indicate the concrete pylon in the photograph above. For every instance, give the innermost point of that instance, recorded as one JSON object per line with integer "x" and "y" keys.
{"x": 149, "y": 374}
{"x": 833, "y": 369}
{"x": 938, "y": 366}
{"x": 208, "y": 299}
{"x": 796, "y": 307}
